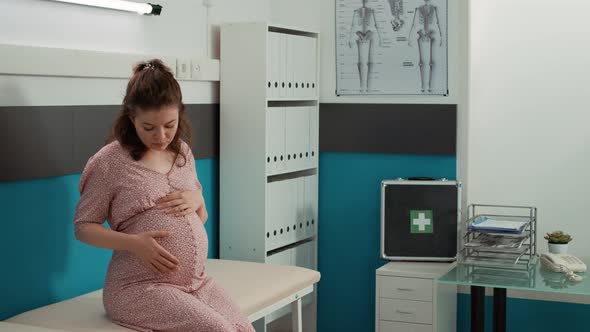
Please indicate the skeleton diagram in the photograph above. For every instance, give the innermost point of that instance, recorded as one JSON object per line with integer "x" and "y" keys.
{"x": 397, "y": 10}
{"x": 363, "y": 20}
{"x": 426, "y": 23}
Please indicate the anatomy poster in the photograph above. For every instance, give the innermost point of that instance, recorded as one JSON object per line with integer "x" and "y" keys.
{"x": 391, "y": 47}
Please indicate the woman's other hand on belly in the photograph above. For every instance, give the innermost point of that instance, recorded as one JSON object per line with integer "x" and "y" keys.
{"x": 152, "y": 254}
{"x": 182, "y": 203}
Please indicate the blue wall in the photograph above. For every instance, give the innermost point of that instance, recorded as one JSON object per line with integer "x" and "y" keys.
{"x": 42, "y": 261}
{"x": 528, "y": 315}
{"x": 349, "y": 225}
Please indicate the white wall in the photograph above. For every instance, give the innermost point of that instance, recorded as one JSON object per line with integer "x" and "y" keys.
{"x": 181, "y": 30}
{"x": 528, "y": 137}
{"x": 303, "y": 14}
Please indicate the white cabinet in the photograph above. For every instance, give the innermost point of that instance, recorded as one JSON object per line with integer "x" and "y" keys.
{"x": 409, "y": 300}
{"x": 269, "y": 124}
{"x": 388, "y": 326}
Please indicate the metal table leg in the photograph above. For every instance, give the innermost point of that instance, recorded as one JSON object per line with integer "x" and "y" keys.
{"x": 499, "y": 309}
{"x": 296, "y": 316}
{"x": 477, "y": 308}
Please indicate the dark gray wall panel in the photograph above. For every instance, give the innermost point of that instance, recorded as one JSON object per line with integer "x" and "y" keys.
{"x": 35, "y": 142}
{"x": 389, "y": 128}
{"x": 92, "y": 126}
{"x": 39, "y": 142}
{"x": 44, "y": 141}
{"x": 204, "y": 119}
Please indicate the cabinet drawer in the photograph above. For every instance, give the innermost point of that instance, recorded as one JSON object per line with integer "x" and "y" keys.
{"x": 405, "y": 311}
{"x": 405, "y": 288}
{"x": 385, "y": 326}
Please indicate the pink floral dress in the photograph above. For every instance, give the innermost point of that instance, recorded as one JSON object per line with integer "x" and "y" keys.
{"x": 116, "y": 188}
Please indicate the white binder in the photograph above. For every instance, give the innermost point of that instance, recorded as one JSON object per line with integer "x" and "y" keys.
{"x": 281, "y": 258}
{"x": 269, "y": 65}
{"x": 273, "y": 213}
{"x": 310, "y": 205}
{"x": 313, "y": 135}
{"x": 313, "y": 65}
{"x": 300, "y": 215}
{"x": 281, "y": 213}
{"x": 275, "y": 140}
{"x": 282, "y": 65}
{"x": 290, "y": 54}
{"x": 290, "y": 205}
{"x": 302, "y": 255}
{"x": 298, "y": 66}
{"x": 297, "y": 136}
{"x": 304, "y": 137}
{"x": 274, "y": 49}
{"x": 307, "y": 64}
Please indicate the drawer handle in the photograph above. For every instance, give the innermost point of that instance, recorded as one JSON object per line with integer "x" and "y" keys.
{"x": 405, "y": 312}
{"x": 405, "y": 289}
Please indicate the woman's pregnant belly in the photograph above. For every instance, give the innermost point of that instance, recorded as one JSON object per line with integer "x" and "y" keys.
{"x": 187, "y": 241}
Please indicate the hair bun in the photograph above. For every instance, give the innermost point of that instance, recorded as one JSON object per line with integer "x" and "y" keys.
{"x": 151, "y": 64}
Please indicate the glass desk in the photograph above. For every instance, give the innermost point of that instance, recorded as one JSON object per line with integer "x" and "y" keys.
{"x": 535, "y": 279}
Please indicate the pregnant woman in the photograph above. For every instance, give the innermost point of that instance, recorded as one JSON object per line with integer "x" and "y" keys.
{"x": 144, "y": 183}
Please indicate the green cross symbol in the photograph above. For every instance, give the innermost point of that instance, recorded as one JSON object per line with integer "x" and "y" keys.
{"x": 421, "y": 221}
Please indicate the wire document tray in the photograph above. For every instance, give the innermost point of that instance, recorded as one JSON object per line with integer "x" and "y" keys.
{"x": 524, "y": 277}
{"x": 502, "y": 236}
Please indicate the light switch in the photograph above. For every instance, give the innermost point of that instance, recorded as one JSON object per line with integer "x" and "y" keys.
{"x": 183, "y": 68}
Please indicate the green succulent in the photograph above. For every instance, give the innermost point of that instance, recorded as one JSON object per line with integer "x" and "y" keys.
{"x": 558, "y": 237}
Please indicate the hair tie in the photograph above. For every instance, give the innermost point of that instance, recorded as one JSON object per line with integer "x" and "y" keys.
{"x": 149, "y": 66}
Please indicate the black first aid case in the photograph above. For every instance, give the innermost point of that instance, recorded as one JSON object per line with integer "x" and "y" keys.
{"x": 420, "y": 220}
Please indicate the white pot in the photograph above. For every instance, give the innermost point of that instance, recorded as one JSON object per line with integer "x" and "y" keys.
{"x": 557, "y": 248}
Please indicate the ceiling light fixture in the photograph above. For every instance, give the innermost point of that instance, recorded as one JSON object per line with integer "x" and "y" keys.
{"x": 130, "y": 6}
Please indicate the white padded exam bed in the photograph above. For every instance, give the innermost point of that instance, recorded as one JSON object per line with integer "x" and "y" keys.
{"x": 12, "y": 327}
{"x": 258, "y": 289}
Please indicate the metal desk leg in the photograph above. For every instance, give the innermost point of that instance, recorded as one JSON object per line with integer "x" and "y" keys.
{"x": 477, "y": 308}
{"x": 499, "y": 309}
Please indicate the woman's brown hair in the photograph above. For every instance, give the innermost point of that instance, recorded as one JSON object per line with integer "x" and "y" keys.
{"x": 151, "y": 87}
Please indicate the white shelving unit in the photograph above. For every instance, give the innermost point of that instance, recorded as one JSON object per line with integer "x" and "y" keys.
{"x": 269, "y": 148}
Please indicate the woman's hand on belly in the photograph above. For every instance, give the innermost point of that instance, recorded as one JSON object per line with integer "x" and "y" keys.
{"x": 182, "y": 203}
{"x": 153, "y": 255}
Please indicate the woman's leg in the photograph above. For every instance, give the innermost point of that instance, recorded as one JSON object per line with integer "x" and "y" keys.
{"x": 167, "y": 309}
{"x": 214, "y": 295}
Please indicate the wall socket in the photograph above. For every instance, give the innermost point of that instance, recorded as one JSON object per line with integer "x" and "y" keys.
{"x": 204, "y": 69}
{"x": 183, "y": 68}
{"x": 195, "y": 68}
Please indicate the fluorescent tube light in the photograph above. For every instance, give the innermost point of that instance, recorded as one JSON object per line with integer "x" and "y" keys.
{"x": 140, "y": 8}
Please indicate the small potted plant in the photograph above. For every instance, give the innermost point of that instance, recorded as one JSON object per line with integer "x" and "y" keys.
{"x": 558, "y": 241}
